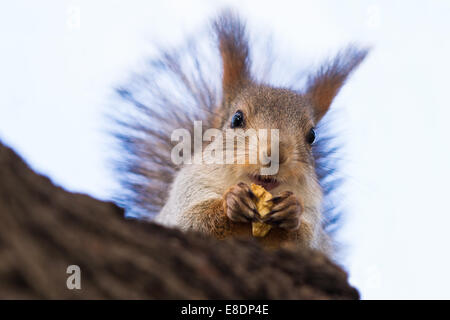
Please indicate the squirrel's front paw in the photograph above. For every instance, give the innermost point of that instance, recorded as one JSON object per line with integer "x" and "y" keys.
{"x": 286, "y": 211}
{"x": 239, "y": 204}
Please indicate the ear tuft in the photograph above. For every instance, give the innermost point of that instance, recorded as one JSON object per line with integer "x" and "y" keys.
{"x": 324, "y": 85}
{"x": 233, "y": 46}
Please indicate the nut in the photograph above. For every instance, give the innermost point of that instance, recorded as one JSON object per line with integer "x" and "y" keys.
{"x": 260, "y": 229}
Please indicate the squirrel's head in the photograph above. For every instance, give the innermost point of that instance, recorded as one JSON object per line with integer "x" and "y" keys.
{"x": 249, "y": 106}
{"x": 278, "y": 126}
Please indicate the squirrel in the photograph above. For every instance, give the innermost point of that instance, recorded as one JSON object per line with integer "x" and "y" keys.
{"x": 216, "y": 199}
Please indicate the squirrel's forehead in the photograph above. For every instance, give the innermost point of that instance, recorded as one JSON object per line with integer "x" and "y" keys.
{"x": 267, "y": 98}
{"x": 268, "y": 106}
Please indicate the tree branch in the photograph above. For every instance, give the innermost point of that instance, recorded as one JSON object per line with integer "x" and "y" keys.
{"x": 44, "y": 229}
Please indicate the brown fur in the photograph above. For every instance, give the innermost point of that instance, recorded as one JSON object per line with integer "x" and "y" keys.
{"x": 233, "y": 46}
{"x": 324, "y": 85}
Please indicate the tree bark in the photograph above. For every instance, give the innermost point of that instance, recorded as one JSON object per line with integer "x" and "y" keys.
{"x": 44, "y": 229}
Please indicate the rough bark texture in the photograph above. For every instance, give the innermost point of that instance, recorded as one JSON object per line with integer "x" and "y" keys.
{"x": 44, "y": 229}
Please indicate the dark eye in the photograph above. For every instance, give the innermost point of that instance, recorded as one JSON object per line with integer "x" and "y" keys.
{"x": 238, "y": 120}
{"x": 311, "y": 136}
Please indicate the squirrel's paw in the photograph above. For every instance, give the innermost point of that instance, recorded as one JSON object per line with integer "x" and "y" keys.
{"x": 286, "y": 211}
{"x": 239, "y": 204}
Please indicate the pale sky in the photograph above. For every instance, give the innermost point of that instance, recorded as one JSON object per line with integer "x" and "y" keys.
{"x": 61, "y": 59}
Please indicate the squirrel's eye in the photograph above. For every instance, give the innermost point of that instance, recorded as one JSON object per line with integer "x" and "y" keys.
{"x": 238, "y": 120}
{"x": 311, "y": 136}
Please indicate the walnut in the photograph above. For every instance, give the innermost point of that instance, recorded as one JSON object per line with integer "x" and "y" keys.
{"x": 260, "y": 229}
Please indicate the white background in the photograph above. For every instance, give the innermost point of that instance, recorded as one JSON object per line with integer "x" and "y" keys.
{"x": 61, "y": 59}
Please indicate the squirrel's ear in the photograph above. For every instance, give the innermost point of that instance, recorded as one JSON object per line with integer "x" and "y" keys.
{"x": 233, "y": 46}
{"x": 324, "y": 85}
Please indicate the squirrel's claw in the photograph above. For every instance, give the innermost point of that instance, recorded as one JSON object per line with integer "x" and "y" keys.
{"x": 285, "y": 213}
{"x": 238, "y": 204}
